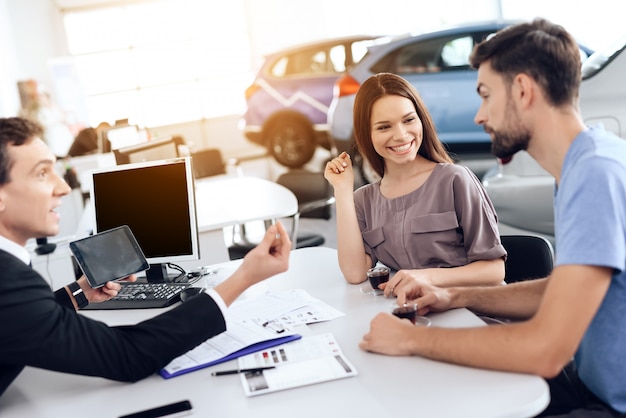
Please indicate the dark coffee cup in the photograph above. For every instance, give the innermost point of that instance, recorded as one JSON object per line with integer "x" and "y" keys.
{"x": 409, "y": 312}
{"x": 378, "y": 275}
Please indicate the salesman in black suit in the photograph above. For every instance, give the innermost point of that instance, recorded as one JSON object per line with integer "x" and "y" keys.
{"x": 42, "y": 329}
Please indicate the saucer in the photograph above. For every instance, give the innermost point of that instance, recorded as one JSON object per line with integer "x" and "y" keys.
{"x": 422, "y": 321}
{"x": 367, "y": 289}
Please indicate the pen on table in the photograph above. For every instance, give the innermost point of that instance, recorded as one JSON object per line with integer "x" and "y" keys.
{"x": 237, "y": 371}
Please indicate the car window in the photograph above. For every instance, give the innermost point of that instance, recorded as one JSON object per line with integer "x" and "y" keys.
{"x": 449, "y": 53}
{"x": 417, "y": 57}
{"x": 279, "y": 69}
{"x": 455, "y": 53}
{"x": 337, "y": 59}
{"x": 313, "y": 61}
{"x": 598, "y": 60}
{"x": 359, "y": 49}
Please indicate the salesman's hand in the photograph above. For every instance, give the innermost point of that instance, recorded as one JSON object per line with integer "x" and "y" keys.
{"x": 106, "y": 292}
{"x": 269, "y": 257}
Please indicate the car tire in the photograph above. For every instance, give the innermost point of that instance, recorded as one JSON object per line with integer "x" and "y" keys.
{"x": 291, "y": 142}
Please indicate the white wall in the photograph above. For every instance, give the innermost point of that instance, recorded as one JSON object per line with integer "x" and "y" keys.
{"x": 595, "y": 23}
{"x": 9, "y": 99}
{"x": 36, "y": 35}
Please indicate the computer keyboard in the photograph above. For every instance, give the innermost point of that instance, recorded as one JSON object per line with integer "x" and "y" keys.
{"x": 142, "y": 296}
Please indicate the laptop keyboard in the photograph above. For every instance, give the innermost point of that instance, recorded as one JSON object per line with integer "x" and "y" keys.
{"x": 143, "y": 295}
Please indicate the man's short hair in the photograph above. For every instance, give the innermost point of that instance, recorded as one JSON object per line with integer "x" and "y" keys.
{"x": 541, "y": 49}
{"x": 14, "y": 131}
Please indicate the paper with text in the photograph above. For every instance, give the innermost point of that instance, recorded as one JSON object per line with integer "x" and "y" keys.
{"x": 254, "y": 324}
{"x": 312, "y": 359}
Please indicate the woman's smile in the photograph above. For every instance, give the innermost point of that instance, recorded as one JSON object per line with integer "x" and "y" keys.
{"x": 402, "y": 149}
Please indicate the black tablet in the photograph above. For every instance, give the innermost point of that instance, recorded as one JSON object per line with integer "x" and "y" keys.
{"x": 109, "y": 255}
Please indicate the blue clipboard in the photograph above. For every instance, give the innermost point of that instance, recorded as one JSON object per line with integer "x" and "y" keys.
{"x": 246, "y": 350}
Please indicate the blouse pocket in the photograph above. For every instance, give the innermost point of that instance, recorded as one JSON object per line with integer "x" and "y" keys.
{"x": 438, "y": 239}
{"x": 374, "y": 237}
{"x": 435, "y": 222}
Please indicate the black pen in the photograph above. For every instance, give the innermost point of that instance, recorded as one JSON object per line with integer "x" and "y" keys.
{"x": 237, "y": 371}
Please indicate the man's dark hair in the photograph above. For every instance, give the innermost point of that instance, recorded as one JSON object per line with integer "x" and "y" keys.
{"x": 543, "y": 50}
{"x": 14, "y": 131}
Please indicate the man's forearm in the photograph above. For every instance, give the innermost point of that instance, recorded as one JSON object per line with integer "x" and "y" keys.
{"x": 517, "y": 300}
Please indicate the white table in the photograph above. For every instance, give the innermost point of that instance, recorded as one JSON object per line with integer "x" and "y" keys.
{"x": 224, "y": 201}
{"x": 385, "y": 386}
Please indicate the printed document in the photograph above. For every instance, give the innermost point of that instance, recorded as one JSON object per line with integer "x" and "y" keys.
{"x": 255, "y": 324}
{"x": 312, "y": 359}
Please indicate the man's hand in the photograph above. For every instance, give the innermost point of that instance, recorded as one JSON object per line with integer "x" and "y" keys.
{"x": 389, "y": 335}
{"x": 406, "y": 279}
{"x": 269, "y": 257}
{"x": 106, "y": 292}
{"x": 429, "y": 298}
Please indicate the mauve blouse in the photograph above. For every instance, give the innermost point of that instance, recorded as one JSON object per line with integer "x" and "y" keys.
{"x": 449, "y": 221}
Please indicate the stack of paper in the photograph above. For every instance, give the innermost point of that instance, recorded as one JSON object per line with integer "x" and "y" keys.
{"x": 312, "y": 359}
{"x": 283, "y": 308}
{"x": 252, "y": 325}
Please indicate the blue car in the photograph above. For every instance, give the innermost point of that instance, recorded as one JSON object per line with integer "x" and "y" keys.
{"x": 288, "y": 101}
{"x": 437, "y": 64}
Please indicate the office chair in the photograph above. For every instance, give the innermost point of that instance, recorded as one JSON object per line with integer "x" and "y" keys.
{"x": 210, "y": 162}
{"x": 314, "y": 196}
{"x": 85, "y": 143}
{"x": 529, "y": 257}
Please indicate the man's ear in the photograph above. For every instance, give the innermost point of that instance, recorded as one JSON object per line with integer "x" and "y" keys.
{"x": 524, "y": 90}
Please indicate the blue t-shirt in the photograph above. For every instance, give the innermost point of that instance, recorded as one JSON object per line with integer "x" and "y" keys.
{"x": 590, "y": 229}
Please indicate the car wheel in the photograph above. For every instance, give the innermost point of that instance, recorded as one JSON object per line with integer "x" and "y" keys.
{"x": 291, "y": 142}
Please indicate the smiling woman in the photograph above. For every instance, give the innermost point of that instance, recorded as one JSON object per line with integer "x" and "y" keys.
{"x": 425, "y": 213}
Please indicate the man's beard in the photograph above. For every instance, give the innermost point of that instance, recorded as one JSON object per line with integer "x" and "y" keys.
{"x": 505, "y": 144}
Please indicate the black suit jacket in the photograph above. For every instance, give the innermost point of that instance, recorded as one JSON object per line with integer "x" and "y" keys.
{"x": 40, "y": 330}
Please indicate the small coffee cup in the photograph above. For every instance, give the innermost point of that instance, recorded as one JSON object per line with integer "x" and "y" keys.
{"x": 409, "y": 311}
{"x": 378, "y": 275}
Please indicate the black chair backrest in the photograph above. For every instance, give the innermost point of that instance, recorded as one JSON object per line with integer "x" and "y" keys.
{"x": 208, "y": 162}
{"x": 308, "y": 187}
{"x": 529, "y": 257}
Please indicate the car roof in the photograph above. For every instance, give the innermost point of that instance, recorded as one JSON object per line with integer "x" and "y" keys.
{"x": 384, "y": 43}
{"x": 603, "y": 57}
{"x": 444, "y": 30}
{"x": 322, "y": 42}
